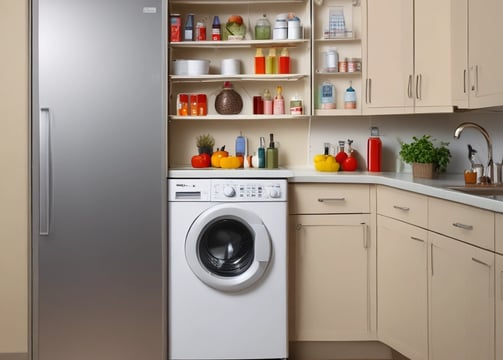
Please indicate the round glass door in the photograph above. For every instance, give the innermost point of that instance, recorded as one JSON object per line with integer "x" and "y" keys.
{"x": 228, "y": 248}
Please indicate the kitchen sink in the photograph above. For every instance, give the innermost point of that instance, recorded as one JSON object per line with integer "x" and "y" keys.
{"x": 493, "y": 191}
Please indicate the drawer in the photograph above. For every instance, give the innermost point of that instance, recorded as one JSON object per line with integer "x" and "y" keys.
{"x": 315, "y": 198}
{"x": 403, "y": 205}
{"x": 499, "y": 233}
{"x": 466, "y": 223}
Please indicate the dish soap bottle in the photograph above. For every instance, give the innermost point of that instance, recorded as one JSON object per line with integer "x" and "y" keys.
{"x": 350, "y": 97}
{"x": 270, "y": 62}
{"x": 279, "y": 102}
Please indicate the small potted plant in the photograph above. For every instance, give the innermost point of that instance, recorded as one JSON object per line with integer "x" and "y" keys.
{"x": 427, "y": 159}
{"x": 205, "y": 144}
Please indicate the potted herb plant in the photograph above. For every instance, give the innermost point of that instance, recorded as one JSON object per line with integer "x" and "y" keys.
{"x": 426, "y": 158}
{"x": 205, "y": 144}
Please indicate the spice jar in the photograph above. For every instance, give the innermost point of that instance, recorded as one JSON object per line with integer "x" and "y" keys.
{"x": 354, "y": 65}
{"x": 343, "y": 65}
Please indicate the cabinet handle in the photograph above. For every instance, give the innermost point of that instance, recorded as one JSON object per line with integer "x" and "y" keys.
{"x": 464, "y": 81}
{"x": 331, "y": 199}
{"x": 476, "y": 79}
{"x": 417, "y": 239}
{"x": 45, "y": 172}
{"x": 417, "y": 87}
{"x": 431, "y": 259}
{"x": 365, "y": 236}
{"x": 481, "y": 262}
{"x": 409, "y": 87}
{"x": 403, "y": 208}
{"x": 463, "y": 226}
{"x": 370, "y": 91}
{"x": 420, "y": 96}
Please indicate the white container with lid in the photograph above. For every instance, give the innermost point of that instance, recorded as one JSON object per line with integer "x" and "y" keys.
{"x": 280, "y": 31}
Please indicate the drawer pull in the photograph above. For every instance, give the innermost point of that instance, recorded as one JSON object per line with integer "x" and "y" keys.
{"x": 331, "y": 199}
{"x": 463, "y": 226}
{"x": 481, "y": 262}
{"x": 403, "y": 208}
{"x": 417, "y": 239}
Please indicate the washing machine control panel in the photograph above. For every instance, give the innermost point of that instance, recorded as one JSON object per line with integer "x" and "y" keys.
{"x": 248, "y": 190}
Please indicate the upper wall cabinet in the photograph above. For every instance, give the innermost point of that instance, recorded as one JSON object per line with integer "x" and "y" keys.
{"x": 477, "y": 53}
{"x": 407, "y": 57}
{"x": 232, "y": 59}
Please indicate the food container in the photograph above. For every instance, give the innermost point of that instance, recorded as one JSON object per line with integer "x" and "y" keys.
{"x": 191, "y": 67}
{"x": 230, "y": 67}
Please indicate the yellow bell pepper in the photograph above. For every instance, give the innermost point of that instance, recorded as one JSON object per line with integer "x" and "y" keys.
{"x": 230, "y": 162}
{"x": 325, "y": 163}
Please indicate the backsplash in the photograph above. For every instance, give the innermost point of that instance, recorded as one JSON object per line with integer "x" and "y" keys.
{"x": 299, "y": 142}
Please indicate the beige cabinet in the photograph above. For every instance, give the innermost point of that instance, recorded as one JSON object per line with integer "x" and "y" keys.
{"x": 476, "y": 28}
{"x": 402, "y": 253}
{"x": 407, "y": 57}
{"x": 499, "y": 307}
{"x": 14, "y": 183}
{"x": 332, "y": 257}
{"x": 461, "y": 300}
{"x": 332, "y": 290}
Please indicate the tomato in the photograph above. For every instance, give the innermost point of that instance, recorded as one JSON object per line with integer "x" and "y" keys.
{"x": 349, "y": 164}
{"x": 201, "y": 161}
{"x": 217, "y": 156}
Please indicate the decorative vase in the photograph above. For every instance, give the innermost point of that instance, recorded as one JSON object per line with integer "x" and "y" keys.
{"x": 228, "y": 101}
{"x": 425, "y": 171}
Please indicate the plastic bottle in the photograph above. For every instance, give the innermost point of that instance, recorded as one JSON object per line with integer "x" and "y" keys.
{"x": 183, "y": 104}
{"x": 267, "y": 102}
{"x": 216, "y": 30}
{"x": 374, "y": 150}
{"x": 327, "y": 95}
{"x": 272, "y": 154}
{"x": 270, "y": 62}
{"x": 259, "y": 62}
{"x": 284, "y": 62}
{"x": 350, "y": 97}
{"x": 188, "y": 33}
{"x": 279, "y": 102}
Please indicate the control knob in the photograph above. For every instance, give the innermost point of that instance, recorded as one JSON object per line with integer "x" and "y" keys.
{"x": 274, "y": 193}
{"x": 229, "y": 191}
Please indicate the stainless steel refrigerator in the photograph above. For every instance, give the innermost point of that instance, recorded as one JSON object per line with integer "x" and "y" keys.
{"x": 99, "y": 179}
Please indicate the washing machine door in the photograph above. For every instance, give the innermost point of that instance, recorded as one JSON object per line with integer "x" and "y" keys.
{"x": 228, "y": 248}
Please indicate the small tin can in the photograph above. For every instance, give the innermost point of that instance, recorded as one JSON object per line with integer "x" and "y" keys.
{"x": 354, "y": 65}
{"x": 343, "y": 65}
{"x": 200, "y": 31}
{"x": 175, "y": 28}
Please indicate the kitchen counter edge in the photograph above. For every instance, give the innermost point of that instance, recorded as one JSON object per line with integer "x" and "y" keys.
{"x": 403, "y": 181}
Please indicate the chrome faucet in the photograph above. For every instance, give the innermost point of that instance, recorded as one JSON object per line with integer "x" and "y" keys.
{"x": 489, "y": 173}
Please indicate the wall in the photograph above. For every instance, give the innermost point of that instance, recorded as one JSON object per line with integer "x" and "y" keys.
{"x": 299, "y": 142}
{"x": 14, "y": 209}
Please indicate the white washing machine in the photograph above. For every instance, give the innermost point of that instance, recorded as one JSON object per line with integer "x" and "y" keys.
{"x": 227, "y": 269}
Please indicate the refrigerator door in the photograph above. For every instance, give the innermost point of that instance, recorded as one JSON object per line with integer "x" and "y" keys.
{"x": 99, "y": 179}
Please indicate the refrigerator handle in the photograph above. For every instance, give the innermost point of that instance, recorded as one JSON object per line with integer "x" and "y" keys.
{"x": 45, "y": 172}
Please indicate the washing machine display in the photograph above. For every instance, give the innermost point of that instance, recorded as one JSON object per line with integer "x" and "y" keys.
{"x": 227, "y": 269}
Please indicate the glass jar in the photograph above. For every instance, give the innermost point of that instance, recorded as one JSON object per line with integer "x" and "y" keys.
{"x": 263, "y": 28}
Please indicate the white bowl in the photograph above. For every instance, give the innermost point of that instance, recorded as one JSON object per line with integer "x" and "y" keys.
{"x": 191, "y": 67}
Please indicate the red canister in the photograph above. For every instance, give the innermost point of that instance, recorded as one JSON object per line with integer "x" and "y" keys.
{"x": 374, "y": 150}
{"x": 175, "y": 28}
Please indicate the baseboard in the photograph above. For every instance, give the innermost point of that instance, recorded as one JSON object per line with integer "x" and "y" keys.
{"x": 13, "y": 356}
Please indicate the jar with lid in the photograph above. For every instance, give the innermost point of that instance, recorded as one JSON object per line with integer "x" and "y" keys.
{"x": 354, "y": 65}
{"x": 263, "y": 28}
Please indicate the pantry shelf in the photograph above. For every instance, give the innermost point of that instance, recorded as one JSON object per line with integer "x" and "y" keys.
{"x": 238, "y": 117}
{"x": 243, "y": 77}
{"x": 238, "y": 43}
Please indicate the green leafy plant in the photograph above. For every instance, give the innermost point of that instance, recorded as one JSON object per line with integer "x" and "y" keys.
{"x": 205, "y": 140}
{"x": 423, "y": 150}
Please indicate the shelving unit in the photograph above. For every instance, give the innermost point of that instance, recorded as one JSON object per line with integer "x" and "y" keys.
{"x": 347, "y": 45}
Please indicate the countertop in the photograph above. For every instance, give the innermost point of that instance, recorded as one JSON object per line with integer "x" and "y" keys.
{"x": 405, "y": 181}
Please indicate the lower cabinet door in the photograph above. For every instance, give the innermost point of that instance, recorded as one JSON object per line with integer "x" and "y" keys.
{"x": 499, "y": 307}
{"x": 402, "y": 292}
{"x": 332, "y": 289}
{"x": 461, "y": 300}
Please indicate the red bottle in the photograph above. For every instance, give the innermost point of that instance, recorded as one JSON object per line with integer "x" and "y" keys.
{"x": 374, "y": 150}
